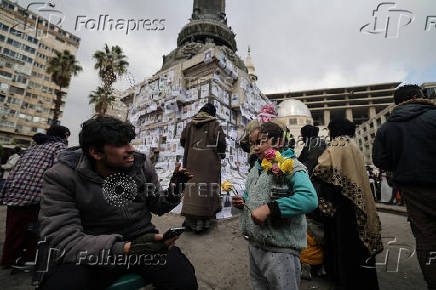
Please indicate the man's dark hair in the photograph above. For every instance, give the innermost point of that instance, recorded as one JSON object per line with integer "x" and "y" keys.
{"x": 210, "y": 109}
{"x": 100, "y": 131}
{"x": 58, "y": 131}
{"x": 309, "y": 131}
{"x": 341, "y": 127}
{"x": 407, "y": 92}
{"x": 271, "y": 130}
{"x": 17, "y": 150}
{"x": 40, "y": 138}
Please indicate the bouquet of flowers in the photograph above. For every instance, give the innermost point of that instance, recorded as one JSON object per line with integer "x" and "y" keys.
{"x": 227, "y": 186}
{"x": 277, "y": 165}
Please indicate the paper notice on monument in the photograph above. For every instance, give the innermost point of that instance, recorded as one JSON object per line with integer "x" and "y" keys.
{"x": 205, "y": 91}
{"x": 226, "y": 211}
{"x": 235, "y": 100}
{"x": 195, "y": 93}
{"x": 208, "y": 56}
{"x": 170, "y": 76}
{"x": 177, "y": 209}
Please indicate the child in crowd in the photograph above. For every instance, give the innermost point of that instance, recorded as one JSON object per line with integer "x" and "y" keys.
{"x": 273, "y": 215}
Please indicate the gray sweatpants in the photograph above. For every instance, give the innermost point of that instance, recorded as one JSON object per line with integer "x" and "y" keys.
{"x": 269, "y": 270}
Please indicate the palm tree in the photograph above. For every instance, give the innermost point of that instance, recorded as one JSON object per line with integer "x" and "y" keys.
{"x": 96, "y": 97}
{"x": 111, "y": 64}
{"x": 61, "y": 68}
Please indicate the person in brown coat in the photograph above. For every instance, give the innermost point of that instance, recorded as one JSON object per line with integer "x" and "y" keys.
{"x": 205, "y": 145}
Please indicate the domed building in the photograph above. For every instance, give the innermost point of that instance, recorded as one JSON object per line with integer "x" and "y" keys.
{"x": 295, "y": 114}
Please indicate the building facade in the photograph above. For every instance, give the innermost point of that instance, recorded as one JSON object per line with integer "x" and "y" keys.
{"x": 27, "y": 94}
{"x": 357, "y": 104}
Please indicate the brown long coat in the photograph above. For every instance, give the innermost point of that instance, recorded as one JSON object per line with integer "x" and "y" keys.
{"x": 205, "y": 146}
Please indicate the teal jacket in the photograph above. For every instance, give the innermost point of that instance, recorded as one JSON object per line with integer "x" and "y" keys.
{"x": 286, "y": 227}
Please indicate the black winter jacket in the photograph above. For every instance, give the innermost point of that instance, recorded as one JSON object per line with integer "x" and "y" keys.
{"x": 406, "y": 144}
{"x": 76, "y": 218}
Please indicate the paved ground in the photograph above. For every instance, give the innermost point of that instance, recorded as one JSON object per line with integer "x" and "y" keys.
{"x": 221, "y": 257}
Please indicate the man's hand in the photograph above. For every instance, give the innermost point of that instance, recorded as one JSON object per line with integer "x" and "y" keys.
{"x": 260, "y": 214}
{"x": 157, "y": 239}
{"x": 146, "y": 244}
{"x": 238, "y": 202}
{"x": 180, "y": 175}
{"x": 169, "y": 243}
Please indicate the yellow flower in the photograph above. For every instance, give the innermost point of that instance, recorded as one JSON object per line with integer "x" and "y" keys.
{"x": 227, "y": 186}
{"x": 267, "y": 165}
{"x": 279, "y": 158}
{"x": 287, "y": 165}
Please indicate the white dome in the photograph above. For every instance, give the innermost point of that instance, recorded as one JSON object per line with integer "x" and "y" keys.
{"x": 292, "y": 107}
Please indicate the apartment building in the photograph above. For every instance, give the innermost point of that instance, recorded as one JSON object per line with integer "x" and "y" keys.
{"x": 27, "y": 94}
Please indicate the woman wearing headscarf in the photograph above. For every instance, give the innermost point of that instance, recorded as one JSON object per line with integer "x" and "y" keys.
{"x": 205, "y": 145}
{"x": 352, "y": 226}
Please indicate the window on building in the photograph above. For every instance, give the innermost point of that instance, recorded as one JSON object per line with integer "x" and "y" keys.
{"x": 5, "y": 75}
{"x": 4, "y": 140}
{"x": 7, "y": 124}
{"x": 13, "y": 43}
{"x": 15, "y": 90}
{"x": 4, "y": 86}
{"x": 2, "y": 38}
{"x": 20, "y": 79}
{"x": 292, "y": 121}
{"x": 14, "y": 101}
{"x": 16, "y": 33}
{"x": 9, "y": 52}
{"x": 2, "y": 98}
{"x": 32, "y": 39}
{"x": 4, "y": 27}
{"x": 23, "y": 142}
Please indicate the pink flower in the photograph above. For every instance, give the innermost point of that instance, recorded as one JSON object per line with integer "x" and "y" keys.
{"x": 275, "y": 168}
{"x": 270, "y": 154}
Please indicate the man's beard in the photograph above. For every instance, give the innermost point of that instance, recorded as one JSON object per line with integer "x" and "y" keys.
{"x": 116, "y": 168}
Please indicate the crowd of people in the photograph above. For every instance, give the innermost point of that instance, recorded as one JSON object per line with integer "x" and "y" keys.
{"x": 312, "y": 214}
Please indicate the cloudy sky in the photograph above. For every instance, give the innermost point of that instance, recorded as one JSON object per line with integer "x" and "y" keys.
{"x": 296, "y": 44}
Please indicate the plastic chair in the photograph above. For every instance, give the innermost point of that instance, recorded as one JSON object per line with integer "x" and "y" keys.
{"x": 128, "y": 282}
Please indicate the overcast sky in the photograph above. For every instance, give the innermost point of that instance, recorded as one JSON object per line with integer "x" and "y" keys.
{"x": 296, "y": 45}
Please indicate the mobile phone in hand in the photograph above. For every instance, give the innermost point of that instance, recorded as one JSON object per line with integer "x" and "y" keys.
{"x": 173, "y": 232}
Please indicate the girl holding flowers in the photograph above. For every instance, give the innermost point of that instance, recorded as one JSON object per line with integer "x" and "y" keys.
{"x": 278, "y": 195}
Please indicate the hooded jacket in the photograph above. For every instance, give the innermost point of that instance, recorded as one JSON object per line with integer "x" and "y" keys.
{"x": 75, "y": 217}
{"x": 406, "y": 144}
{"x": 205, "y": 145}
